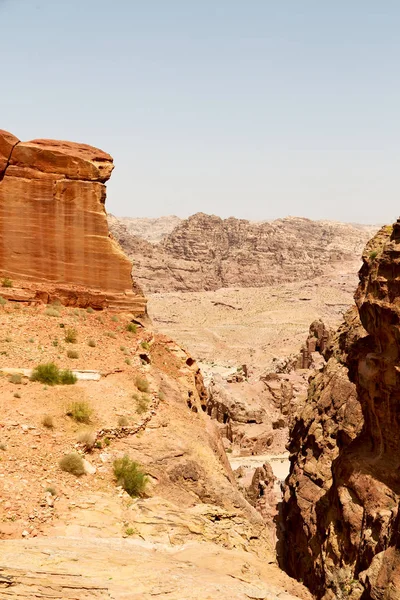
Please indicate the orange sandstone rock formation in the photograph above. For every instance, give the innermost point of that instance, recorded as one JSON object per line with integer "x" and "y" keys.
{"x": 55, "y": 242}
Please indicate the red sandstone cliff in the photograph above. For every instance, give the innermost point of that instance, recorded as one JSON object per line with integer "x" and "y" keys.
{"x": 55, "y": 242}
{"x": 341, "y": 509}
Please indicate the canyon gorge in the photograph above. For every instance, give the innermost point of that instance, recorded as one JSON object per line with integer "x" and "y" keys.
{"x": 229, "y": 363}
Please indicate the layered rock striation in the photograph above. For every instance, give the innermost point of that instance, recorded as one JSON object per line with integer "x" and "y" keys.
{"x": 341, "y": 509}
{"x": 205, "y": 252}
{"x": 54, "y": 238}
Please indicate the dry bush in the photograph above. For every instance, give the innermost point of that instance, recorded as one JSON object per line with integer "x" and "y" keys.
{"x": 52, "y": 312}
{"x": 142, "y": 403}
{"x": 92, "y": 343}
{"x": 142, "y": 384}
{"x": 72, "y": 463}
{"x": 87, "y": 439}
{"x": 123, "y": 421}
{"x": 80, "y": 411}
{"x": 71, "y": 335}
{"x": 15, "y": 378}
{"x": 48, "y": 422}
{"x": 72, "y": 354}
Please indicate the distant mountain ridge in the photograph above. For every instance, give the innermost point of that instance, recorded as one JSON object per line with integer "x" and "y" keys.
{"x": 205, "y": 252}
{"x": 152, "y": 230}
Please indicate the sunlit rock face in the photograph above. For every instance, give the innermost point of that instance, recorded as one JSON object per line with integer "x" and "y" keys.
{"x": 54, "y": 238}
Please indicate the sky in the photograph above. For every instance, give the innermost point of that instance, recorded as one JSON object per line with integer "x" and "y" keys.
{"x": 256, "y": 109}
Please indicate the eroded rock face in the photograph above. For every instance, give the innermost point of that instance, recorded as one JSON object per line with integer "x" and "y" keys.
{"x": 205, "y": 252}
{"x": 342, "y": 501}
{"x": 54, "y": 235}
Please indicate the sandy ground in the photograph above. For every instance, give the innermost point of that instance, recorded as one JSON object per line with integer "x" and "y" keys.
{"x": 233, "y": 326}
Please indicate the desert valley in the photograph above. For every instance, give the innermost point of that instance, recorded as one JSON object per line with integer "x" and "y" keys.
{"x": 205, "y": 412}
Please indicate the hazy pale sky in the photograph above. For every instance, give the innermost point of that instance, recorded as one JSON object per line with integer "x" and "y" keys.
{"x": 249, "y": 108}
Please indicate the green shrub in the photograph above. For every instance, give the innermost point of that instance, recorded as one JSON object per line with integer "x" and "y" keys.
{"x": 47, "y": 373}
{"x": 107, "y": 441}
{"x": 129, "y": 531}
{"x": 130, "y": 476}
{"x": 71, "y": 336}
{"x": 52, "y": 312}
{"x": 7, "y": 283}
{"x": 67, "y": 377}
{"x": 50, "y": 374}
{"x": 142, "y": 384}
{"x": 92, "y": 343}
{"x": 131, "y": 327}
{"x": 80, "y": 411}
{"x": 72, "y": 354}
{"x": 90, "y": 310}
{"x": 2, "y": 301}
{"x": 48, "y": 422}
{"x": 31, "y": 341}
{"x": 145, "y": 345}
{"x": 15, "y": 378}
{"x": 72, "y": 463}
{"x": 114, "y": 318}
{"x": 128, "y": 361}
{"x": 373, "y": 255}
{"x": 55, "y": 343}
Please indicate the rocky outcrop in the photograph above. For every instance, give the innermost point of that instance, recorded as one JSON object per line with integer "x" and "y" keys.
{"x": 315, "y": 346}
{"x": 55, "y": 243}
{"x": 341, "y": 509}
{"x": 205, "y": 252}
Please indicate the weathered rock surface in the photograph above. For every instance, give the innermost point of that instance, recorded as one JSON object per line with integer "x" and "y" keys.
{"x": 55, "y": 243}
{"x": 70, "y": 568}
{"x": 152, "y": 230}
{"x": 205, "y": 252}
{"x": 341, "y": 509}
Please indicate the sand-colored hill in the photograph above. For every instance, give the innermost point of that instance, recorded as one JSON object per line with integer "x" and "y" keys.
{"x": 205, "y": 252}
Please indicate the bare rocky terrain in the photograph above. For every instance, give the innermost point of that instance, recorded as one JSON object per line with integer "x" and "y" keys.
{"x": 279, "y": 450}
{"x": 87, "y": 382}
{"x": 205, "y": 252}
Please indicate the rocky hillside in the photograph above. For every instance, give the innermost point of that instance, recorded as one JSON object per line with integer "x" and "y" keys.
{"x": 114, "y": 480}
{"x": 205, "y": 252}
{"x": 341, "y": 509}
